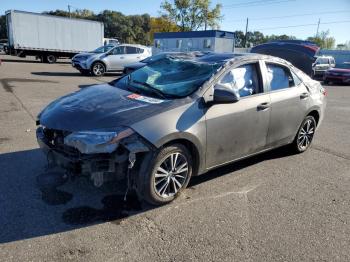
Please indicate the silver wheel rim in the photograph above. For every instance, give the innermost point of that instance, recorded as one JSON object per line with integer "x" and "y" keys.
{"x": 306, "y": 134}
{"x": 171, "y": 175}
{"x": 98, "y": 69}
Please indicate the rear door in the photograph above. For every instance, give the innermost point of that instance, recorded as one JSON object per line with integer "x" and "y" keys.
{"x": 133, "y": 54}
{"x": 289, "y": 103}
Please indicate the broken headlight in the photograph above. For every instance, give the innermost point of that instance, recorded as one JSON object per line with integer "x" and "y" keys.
{"x": 92, "y": 142}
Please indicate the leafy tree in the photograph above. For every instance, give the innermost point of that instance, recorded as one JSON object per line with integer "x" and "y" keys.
{"x": 323, "y": 40}
{"x": 239, "y": 39}
{"x": 162, "y": 24}
{"x": 191, "y": 15}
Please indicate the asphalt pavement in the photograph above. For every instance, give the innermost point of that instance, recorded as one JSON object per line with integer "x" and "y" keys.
{"x": 273, "y": 207}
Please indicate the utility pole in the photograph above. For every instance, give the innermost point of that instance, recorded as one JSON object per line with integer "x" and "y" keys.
{"x": 246, "y": 31}
{"x": 318, "y": 26}
{"x": 70, "y": 16}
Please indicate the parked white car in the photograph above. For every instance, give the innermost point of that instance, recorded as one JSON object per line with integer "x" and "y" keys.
{"x": 322, "y": 64}
{"x": 109, "y": 58}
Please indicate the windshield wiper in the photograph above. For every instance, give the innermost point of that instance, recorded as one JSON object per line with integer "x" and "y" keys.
{"x": 151, "y": 88}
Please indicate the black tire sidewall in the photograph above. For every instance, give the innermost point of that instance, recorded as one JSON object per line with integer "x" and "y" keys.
{"x": 53, "y": 59}
{"x": 145, "y": 187}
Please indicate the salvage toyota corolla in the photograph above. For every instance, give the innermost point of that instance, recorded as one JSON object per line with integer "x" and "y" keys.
{"x": 181, "y": 116}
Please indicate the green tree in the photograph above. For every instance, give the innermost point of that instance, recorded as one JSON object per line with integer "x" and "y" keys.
{"x": 323, "y": 40}
{"x": 191, "y": 15}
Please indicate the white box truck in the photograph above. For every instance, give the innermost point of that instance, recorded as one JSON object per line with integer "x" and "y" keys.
{"x": 50, "y": 37}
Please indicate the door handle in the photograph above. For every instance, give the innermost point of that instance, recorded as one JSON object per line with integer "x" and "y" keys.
{"x": 122, "y": 57}
{"x": 304, "y": 95}
{"x": 139, "y": 57}
{"x": 263, "y": 106}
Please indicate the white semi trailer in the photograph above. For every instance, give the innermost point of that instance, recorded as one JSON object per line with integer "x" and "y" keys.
{"x": 50, "y": 37}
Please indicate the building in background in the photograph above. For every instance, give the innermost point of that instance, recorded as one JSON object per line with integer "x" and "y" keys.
{"x": 211, "y": 40}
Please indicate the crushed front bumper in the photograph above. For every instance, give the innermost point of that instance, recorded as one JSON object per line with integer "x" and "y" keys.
{"x": 99, "y": 167}
{"x": 77, "y": 163}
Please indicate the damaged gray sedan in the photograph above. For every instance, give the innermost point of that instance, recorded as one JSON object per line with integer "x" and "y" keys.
{"x": 181, "y": 116}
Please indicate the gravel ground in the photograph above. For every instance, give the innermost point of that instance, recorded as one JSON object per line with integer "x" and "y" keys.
{"x": 272, "y": 207}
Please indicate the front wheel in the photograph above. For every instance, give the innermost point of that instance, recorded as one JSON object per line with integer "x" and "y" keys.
{"x": 98, "y": 69}
{"x": 168, "y": 174}
{"x": 305, "y": 135}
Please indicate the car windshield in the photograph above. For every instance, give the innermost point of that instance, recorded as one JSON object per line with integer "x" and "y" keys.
{"x": 322, "y": 61}
{"x": 103, "y": 49}
{"x": 172, "y": 77}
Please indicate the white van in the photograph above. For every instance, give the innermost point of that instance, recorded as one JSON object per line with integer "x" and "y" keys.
{"x": 321, "y": 64}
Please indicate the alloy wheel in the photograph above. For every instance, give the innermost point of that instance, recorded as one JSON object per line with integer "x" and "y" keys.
{"x": 98, "y": 69}
{"x": 171, "y": 175}
{"x": 306, "y": 134}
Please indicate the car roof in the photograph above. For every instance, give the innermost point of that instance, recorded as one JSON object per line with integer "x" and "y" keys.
{"x": 134, "y": 45}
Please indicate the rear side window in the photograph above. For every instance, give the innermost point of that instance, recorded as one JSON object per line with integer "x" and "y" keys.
{"x": 131, "y": 50}
{"x": 279, "y": 77}
{"x": 245, "y": 79}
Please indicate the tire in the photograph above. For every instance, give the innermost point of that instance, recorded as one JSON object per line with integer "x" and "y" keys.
{"x": 306, "y": 132}
{"x": 50, "y": 59}
{"x": 166, "y": 186}
{"x": 98, "y": 69}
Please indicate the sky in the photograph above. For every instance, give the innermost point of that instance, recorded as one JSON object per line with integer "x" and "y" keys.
{"x": 267, "y": 16}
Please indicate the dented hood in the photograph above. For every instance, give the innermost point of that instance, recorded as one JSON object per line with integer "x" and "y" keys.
{"x": 99, "y": 107}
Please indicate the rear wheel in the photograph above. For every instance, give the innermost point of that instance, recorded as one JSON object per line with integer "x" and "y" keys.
{"x": 168, "y": 174}
{"x": 51, "y": 59}
{"x": 98, "y": 69}
{"x": 305, "y": 135}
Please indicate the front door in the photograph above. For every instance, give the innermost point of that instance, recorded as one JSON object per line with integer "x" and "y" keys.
{"x": 238, "y": 129}
{"x": 116, "y": 59}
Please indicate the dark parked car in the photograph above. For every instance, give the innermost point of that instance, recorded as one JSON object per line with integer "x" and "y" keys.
{"x": 300, "y": 53}
{"x": 338, "y": 74}
{"x": 181, "y": 116}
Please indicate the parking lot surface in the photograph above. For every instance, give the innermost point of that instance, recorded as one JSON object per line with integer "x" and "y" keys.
{"x": 273, "y": 207}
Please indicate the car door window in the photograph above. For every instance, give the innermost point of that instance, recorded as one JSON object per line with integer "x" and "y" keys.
{"x": 243, "y": 79}
{"x": 131, "y": 50}
{"x": 120, "y": 50}
{"x": 279, "y": 77}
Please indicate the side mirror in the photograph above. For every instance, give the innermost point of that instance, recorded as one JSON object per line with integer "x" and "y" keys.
{"x": 224, "y": 95}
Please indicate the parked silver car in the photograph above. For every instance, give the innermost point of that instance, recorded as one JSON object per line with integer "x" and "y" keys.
{"x": 181, "y": 116}
{"x": 109, "y": 58}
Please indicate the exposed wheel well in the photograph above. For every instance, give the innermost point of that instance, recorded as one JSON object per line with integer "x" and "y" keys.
{"x": 100, "y": 63}
{"x": 316, "y": 115}
{"x": 193, "y": 150}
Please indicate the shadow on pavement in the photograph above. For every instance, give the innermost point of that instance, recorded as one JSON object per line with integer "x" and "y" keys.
{"x": 70, "y": 74}
{"x": 227, "y": 169}
{"x": 35, "y": 202}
